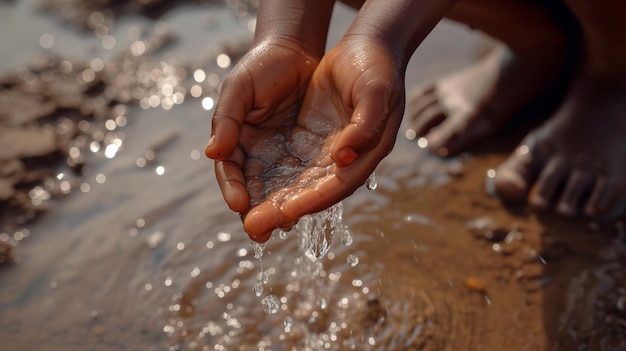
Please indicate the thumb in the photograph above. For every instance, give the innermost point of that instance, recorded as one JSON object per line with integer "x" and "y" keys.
{"x": 367, "y": 125}
{"x": 230, "y": 111}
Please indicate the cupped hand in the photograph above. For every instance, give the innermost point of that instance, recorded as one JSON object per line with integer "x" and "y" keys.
{"x": 259, "y": 99}
{"x": 346, "y": 125}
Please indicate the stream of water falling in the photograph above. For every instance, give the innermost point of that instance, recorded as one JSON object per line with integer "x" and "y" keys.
{"x": 314, "y": 233}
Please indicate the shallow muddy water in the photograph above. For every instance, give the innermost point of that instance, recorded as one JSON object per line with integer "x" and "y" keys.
{"x": 137, "y": 251}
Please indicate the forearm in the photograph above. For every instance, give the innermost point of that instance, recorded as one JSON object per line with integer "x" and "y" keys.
{"x": 300, "y": 22}
{"x": 400, "y": 24}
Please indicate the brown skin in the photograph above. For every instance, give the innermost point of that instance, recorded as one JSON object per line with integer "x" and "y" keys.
{"x": 456, "y": 111}
{"x": 282, "y": 153}
{"x": 289, "y": 42}
{"x": 346, "y": 124}
{"x": 576, "y": 161}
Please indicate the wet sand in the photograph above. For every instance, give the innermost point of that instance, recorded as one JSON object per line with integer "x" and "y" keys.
{"x": 139, "y": 252}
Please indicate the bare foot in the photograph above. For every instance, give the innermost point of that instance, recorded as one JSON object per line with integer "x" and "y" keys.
{"x": 575, "y": 162}
{"x": 469, "y": 105}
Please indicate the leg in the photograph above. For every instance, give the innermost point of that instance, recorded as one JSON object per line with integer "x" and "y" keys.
{"x": 464, "y": 107}
{"x": 576, "y": 161}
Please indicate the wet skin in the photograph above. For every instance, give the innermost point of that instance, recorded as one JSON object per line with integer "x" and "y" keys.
{"x": 278, "y": 156}
{"x": 286, "y": 163}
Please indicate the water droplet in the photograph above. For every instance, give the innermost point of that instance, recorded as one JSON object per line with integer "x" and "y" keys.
{"x": 262, "y": 277}
{"x": 347, "y": 239}
{"x": 323, "y": 303}
{"x": 288, "y": 322}
{"x": 282, "y": 234}
{"x": 371, "y": 183}
{"x": 270, "y": 304}
{"x": 258, "y": 289}
{"x": 352, "y": 260}
{"x": 258, "y": 250}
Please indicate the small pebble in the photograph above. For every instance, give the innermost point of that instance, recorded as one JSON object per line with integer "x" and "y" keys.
{"x": 476, "y": 284}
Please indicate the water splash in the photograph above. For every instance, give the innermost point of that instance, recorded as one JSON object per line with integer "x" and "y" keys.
{"x": 288, "y": 323}
{"x": 353, "y": 260}
{"x": 271, "y": 304}
{"x": 346, "y": 237}
{"x": 258, "y": 250}
{"x": 262, "y": 277}
{"x": 258, "y": 289}
{"x": 317, "y": 230}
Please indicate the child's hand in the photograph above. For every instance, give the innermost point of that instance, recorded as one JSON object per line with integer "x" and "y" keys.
{"x": 346, "y": 126}
{"x": 259, "y": 99}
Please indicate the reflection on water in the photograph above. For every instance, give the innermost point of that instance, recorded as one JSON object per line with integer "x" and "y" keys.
{"x": 142, "y": 253}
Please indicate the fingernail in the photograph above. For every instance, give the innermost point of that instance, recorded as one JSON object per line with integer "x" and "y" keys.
{"x": 211, "y": 141}
{"x": 346, "y": 155}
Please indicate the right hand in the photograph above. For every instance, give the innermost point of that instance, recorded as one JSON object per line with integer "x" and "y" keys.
{"x": 259, "y": 101}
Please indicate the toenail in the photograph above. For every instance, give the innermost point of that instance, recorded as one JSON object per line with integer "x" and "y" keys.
{"x": 422, "y": 142}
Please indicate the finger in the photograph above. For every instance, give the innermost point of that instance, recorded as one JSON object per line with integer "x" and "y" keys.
{"x": 232, "y": 181}
{"x": 264, "y": 218}
{"x": 373, "y": 107}
{"x": 326, "y": 192}
{"x": 339, "y": 183}
{"x": 230, "y": 111}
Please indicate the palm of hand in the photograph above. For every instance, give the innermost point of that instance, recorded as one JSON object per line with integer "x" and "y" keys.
{"x": 292, "y": 165}
{"x": 258, "y": 100}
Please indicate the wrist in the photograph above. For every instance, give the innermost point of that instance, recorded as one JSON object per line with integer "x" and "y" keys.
{"x": 294, "y": 23}
{"x": 401, "y": 25}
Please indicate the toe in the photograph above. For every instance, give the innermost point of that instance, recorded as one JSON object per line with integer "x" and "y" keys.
{"x": 420, "y": 99}
{"x": 603, "y": 201}
{"x": 424, "y": 112}
{"x": 511, "y": 182}
{"x": 454, "y": 135}
{"x": 428, "y": 119}
{"x": 548, "y": 185}
{"x": 575, "y": 193}
{"x": 440, "y": 138}
{"x": 516, "y": 175}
